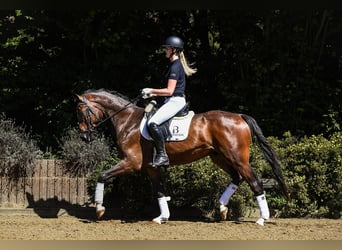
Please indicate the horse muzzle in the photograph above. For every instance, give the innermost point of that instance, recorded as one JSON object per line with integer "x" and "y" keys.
{"x": 88, "y": 135}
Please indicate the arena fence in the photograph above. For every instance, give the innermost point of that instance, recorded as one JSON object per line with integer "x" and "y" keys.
{"x": 50, "y": 186}
{"x": 51, "y": 192}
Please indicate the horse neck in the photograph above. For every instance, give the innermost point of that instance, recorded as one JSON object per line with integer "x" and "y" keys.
{"x": 108, "y": 103}
{"x": 115, "y": 106}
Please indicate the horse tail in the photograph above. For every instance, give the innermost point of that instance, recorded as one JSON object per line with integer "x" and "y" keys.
{"x": 268, "y": 152}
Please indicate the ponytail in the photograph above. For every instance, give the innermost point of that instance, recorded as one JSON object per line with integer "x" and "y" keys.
{"x": 187, "y": 68}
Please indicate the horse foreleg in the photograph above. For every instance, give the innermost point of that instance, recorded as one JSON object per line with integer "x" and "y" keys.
{"x": 158, "y": 190}
{"x": 100, "y": 209}
{"x": 164, "y": 210}
{"x": 99, "y": 190}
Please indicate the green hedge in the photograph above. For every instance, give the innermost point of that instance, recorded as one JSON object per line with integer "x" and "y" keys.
{"x": 312, "y": 167}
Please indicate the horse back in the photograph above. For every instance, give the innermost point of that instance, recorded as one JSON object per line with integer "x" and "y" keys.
{"x": 220, "y": 119}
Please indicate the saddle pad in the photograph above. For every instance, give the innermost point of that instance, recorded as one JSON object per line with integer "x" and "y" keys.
{"x": 179, "y": 127}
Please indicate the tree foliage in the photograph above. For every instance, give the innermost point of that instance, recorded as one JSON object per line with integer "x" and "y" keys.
{"x": 282, "y": 67}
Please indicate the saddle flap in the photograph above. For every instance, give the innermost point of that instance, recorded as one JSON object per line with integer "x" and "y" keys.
{"x": 178, "y": 127}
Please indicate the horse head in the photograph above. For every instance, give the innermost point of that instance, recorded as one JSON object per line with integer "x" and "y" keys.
{"x": 89, "y": 115}
{"x": 94, "y": 107}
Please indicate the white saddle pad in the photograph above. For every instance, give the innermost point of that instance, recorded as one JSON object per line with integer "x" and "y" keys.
{"x": 179, "y": 127}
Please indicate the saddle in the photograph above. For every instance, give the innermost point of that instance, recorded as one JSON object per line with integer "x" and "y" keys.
{"x": 174, "y": 129}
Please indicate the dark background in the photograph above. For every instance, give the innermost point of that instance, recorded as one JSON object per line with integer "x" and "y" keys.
{"x": 283, "y": 67}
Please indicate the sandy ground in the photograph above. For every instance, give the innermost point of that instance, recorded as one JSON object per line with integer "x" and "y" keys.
{"x": 33, "y": 227}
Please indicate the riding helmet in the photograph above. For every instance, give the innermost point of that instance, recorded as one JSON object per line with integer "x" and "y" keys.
{"x": 174, "y": 41}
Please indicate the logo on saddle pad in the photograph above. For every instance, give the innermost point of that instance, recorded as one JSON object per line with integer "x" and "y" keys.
{"x": 179, "y": 127}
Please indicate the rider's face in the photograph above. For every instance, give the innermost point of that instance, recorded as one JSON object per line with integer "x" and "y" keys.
{"x": 168, "y": 51}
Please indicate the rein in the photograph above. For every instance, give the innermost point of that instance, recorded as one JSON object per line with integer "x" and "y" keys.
{"x": 93, "y": 127}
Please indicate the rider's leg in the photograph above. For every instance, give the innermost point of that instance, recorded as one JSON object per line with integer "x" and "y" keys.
{"x": 161, "y": 158}
{"x": 165, "y": 112}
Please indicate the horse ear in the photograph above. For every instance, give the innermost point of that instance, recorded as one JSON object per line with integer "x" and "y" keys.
{"x": 76, "y": 97}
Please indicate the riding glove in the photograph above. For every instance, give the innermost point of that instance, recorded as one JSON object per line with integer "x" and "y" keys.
{"x": 147, "y": 93}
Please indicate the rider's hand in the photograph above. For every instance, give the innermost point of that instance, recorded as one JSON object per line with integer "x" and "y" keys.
{"x": 147, "y": 93}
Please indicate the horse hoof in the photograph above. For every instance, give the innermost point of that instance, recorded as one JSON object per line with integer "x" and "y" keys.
{"x": 260, "y": 222}
{"x": 100, "y": 213}
{"x": 223, "y": 212}
{"x": 160, "y": 220}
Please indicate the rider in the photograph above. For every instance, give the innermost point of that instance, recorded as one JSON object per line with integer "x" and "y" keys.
{"x": 174, "y": 93}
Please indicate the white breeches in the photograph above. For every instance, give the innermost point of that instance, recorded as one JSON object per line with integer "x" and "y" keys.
{"x": 170, "y": 107}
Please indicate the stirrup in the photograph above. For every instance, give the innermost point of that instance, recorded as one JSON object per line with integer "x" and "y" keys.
{"x": 160, "y": 220}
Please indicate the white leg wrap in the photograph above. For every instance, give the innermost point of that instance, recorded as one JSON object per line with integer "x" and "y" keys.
{"x": 230, "y": 190}
{"x": 224, "y": 199}
{"x": 264, "y": 211}
{"x": 164, "y": 210}
{"x": 99, "y": 193}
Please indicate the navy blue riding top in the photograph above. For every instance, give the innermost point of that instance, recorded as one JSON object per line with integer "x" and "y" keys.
{"x": 176, "y": 72}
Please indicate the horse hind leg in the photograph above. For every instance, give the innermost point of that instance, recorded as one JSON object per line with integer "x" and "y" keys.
{"x": 158, "y": 190}
{"x": 224, "y": 199}
{"x": 231, "y": 188}
{"x": 228, "y": 193}
{"x": 257, "y": 187}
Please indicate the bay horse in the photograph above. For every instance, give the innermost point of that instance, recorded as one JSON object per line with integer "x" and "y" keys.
{"x": 224, "y": 136}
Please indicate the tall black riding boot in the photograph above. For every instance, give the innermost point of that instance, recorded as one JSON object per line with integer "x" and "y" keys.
{"x": 161, "y": 158}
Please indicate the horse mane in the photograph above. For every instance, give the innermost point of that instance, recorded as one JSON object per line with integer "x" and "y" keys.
{"x": 106, "y": 91}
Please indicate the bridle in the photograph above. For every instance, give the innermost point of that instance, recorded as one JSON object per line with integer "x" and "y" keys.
{"x": 92, "y": 127}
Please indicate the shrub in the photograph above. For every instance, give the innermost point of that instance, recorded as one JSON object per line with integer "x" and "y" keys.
{"x": 82, "y": 158}
{"x": 17, "y": 150}
{"x": 312, "y": 168}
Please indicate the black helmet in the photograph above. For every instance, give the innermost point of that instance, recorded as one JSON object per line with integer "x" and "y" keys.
{"x": 174, "y": 41}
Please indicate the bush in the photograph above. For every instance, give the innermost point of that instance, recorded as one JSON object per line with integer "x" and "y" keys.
{"x": 17, "y": 150}
{"x": 82, "y": 158}
{"x": 312, "y": 168}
